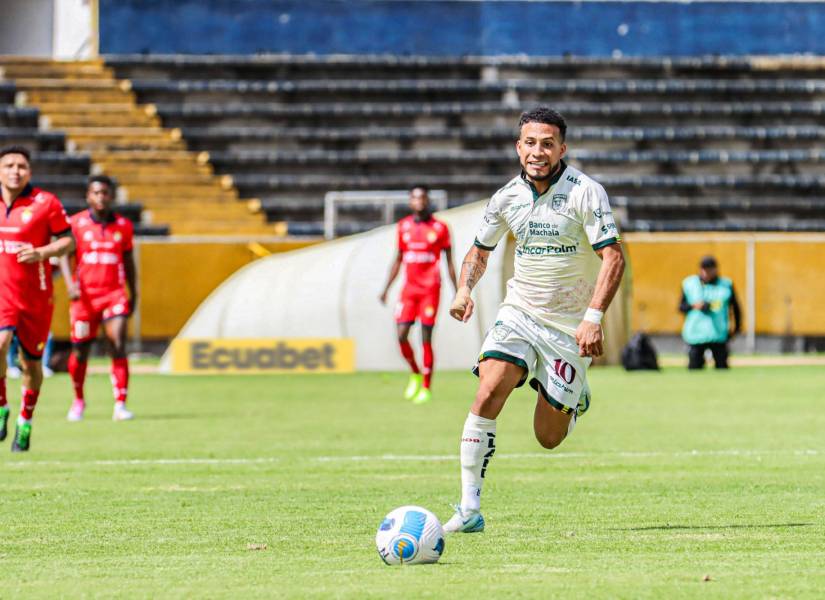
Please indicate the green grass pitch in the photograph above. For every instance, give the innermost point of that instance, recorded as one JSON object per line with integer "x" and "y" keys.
{"x": 670, "y": 477}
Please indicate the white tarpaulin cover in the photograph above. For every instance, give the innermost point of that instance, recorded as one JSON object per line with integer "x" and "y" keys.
{"x": 332, "y": 289}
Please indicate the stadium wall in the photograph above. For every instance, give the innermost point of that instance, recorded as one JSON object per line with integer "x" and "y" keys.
{"x": 454, "y": 28}
{"x": 771, "y": 273}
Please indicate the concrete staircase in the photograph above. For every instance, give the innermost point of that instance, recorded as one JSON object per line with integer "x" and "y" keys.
{"x": 100, "y": 116}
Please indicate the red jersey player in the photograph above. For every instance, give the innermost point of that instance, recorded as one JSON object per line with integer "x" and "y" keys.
{"x": 104, "y": 269}
{"x": 421, "y": 240}
{"x": 29, "y": 218}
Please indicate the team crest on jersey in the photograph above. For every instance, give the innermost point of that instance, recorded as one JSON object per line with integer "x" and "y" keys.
{"x": 558, "y": 202}
{"x": 432, "y": 237}
{"x": 117, "y": 236}
{"x": 88, "y": 236}
{"x": 406, "y": 237}
{"x": 26, "y": 216}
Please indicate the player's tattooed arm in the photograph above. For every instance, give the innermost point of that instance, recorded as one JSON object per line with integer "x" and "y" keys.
{"x": 473, "y": 267}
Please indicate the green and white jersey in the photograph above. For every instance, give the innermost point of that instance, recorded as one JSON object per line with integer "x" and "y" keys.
{"x": 556, "y": 235}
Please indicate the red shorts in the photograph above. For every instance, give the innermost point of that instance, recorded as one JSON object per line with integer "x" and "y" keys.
{"x": 86, "y": 314}
{"x": 418, "y": 305}
{"x": 31, "y": 324}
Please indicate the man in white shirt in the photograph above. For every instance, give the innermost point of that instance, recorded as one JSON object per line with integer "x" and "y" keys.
{"x": 568, "y": 266}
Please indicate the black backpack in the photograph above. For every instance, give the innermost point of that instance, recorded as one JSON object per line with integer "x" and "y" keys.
{"x": 639, "y": 354}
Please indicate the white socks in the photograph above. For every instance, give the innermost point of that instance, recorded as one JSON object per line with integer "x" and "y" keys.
{"x": 478, "y": 444}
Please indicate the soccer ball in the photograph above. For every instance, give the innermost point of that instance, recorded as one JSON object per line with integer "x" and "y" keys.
{"x": 410, "y": 535}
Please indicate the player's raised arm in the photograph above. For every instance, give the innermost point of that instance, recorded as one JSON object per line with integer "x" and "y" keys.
{"x": 473, "y": 267}
{"x": 589, "y": 333}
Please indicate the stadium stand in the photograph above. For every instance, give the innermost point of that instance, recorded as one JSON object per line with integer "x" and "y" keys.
{"x": 685, "y": 144}
{"x": 87, "y": 112}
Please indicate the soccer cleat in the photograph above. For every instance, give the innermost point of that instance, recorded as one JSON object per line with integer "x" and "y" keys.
{"x": 47, "y": 372}
{"x": 469, "y": 521}
{"x": 423, "y": 396}
{"x": 4, "y": 422}
{"x": 76, "y": 411}
{"x": 413, "y": 386}
{"x": 121, "y": 413}
{"x": 22, "y": 437}
{"x": 14, "y": 372}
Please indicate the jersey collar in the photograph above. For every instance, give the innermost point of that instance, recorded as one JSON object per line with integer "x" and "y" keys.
{"x": 24, "y": 193}
{"x": 109, "y": 219}
{"x": 429, "y": 218}
{"x": 553, "y": 180}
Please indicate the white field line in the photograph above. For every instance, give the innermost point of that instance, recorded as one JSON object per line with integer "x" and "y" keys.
{"x": 161, "y": 462}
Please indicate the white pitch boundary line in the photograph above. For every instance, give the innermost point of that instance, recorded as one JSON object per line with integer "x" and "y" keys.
{"x": 565, "y": 455}
{"x": 402, "y": 457}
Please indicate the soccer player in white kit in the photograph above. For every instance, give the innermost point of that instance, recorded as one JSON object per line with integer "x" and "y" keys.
{"x": 568, "y": 266}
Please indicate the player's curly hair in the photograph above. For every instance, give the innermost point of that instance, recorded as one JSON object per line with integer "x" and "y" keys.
{"x": 546, "y": 115}
{"x": 16, "y": 149}
{"x": 104, "y": 179}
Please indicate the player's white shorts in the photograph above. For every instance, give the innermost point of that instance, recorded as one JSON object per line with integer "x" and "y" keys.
{"x": 550, "y": 357}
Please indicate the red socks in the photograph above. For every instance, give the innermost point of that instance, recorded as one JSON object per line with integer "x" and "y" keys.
{"x": 120, "y": 378}
{"x": 77, "y": 371}
{"x": 3, "y": 400}
{"x": 29, "y": 402}
{"x": 428, "y": 364}
{"x": 409, "y": 355}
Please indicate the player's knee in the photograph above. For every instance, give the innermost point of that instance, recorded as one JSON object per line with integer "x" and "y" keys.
{"x": 81, "y": 351}
{"x": 119, "y": 349}
{"x": 485, "y": 397}
{"x": 33, "y": 371}
{"x": 550, "y": 439}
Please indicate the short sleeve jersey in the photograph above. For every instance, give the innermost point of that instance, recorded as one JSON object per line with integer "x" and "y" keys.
{"x": 30, "y": 222}
{"x": 420, "y": 244}
{"x": 100, "y": 249}
{"x": 556, "y": 234}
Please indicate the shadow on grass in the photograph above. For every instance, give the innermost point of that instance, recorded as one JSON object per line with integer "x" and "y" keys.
{"x": 669, "y": 527}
